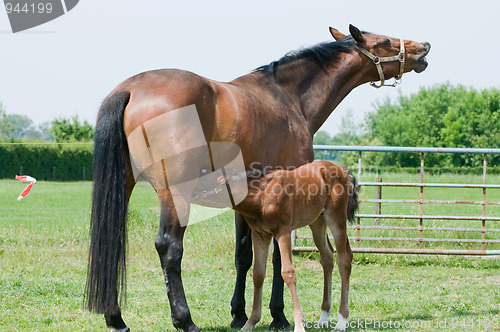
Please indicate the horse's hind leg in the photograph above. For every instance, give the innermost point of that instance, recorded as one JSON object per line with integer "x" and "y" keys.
{"x": 320, "y": 236}
{"x": 336, "y": 219}
{"x": 261, "y": 249}
{"x": 170, "y": 249}
{"x": 243, "y": 262}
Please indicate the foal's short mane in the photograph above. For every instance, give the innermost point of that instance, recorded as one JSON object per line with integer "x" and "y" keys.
{"x": 322, "y": 54}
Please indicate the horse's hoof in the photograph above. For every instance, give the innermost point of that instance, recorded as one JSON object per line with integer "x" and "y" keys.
{"x": 239, "y": 321}
{"x": 279, "y": 323}
{"x": 125, "y": 329}
{"x": 193, "y": 328}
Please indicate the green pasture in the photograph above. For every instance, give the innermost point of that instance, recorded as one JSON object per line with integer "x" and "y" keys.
{"x": 43, "y": 262}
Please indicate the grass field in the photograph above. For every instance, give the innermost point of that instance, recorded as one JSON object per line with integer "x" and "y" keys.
{"x": 43, "y": 261}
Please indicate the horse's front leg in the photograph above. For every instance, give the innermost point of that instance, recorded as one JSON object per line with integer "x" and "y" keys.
{"x": 170, "y": 249}
{"x": 276, "y": 305}
{"x": 243, "y": 262}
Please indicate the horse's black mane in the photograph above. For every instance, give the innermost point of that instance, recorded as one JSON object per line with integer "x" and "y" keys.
{"x": 321, "y": 54}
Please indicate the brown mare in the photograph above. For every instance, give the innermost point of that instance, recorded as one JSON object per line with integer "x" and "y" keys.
{"x": 286, "y": 200}
{"x": 271, "y": 114}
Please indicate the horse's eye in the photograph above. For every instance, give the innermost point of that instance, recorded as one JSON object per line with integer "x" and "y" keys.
{"x": 387, "y": 42}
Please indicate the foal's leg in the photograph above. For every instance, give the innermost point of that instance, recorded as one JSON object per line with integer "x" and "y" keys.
{"x": 336, "y": 220}
{"x": 288, "y": 273}
{"x": 243, "y": 262}
{"x": 170, "y": 249}
{"x": 261, "y": 249}
{"x": 320, "y": 236}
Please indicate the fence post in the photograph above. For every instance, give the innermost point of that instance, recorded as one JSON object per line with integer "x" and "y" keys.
{"x": 483, "y": 225}
{"x": 358, "y": 224}
{"x": 83, "y": 171}
{"x": 21, "y": 170}
{"x": 377, "y": 206}
{"x": 421, "y": 210}
{"x": 53, "y": 172}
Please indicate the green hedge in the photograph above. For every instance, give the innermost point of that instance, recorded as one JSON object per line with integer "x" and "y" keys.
{"x": 47, "y": 162}
{"x": 74, "y": 163}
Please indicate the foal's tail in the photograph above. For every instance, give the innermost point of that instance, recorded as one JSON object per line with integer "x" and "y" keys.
{"x": 108, "y": 237}
{"x": 353, "y": 190}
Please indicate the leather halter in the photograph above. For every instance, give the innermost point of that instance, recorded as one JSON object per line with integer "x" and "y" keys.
{"x": 378, "y": 60}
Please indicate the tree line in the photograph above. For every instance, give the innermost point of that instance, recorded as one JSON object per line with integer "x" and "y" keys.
{"x": 20, "y": 128}
{"x": 444, "y": 115}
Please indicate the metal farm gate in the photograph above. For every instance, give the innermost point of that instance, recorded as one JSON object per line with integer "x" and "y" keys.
{"x": 415, "y": 227}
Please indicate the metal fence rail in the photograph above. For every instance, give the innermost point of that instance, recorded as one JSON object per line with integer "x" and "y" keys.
{"x": 482, "y": 243}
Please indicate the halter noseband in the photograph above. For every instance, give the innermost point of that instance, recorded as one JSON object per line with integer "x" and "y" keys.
{"x": 377, "y": 60}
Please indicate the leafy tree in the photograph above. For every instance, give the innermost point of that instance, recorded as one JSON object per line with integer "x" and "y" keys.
{"x": 20, "y": 125}
{"x": 16, "y": 127}
{"x": 441, "y": 116}
{"x": 349, "y": 134}
{"x": 71, "y": 130}
{"x": 323, "y": 138}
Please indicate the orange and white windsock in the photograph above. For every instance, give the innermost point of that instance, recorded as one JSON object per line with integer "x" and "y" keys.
{"x": 26, "y": 191}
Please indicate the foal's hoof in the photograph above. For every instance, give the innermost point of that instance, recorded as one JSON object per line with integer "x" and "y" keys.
{"x": 247, "y": 327}
{"x": 341, "y": 323}
{"x": 279, "y": 323}
{"x": 239, "y": 321}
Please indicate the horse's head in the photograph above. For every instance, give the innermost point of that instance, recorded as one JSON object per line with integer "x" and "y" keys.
{"x": 391, "y": 57}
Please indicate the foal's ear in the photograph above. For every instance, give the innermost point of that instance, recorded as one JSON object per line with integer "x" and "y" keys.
{"x": 356, "y": 34}
{"x": 336, "y": 34}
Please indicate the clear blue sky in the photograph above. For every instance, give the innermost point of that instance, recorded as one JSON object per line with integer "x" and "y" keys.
{"x": 69, "y": 65}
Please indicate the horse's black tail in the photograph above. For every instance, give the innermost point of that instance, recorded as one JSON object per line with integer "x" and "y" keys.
{"x": 108, "y": 234}
{"x": 353, "y": 190}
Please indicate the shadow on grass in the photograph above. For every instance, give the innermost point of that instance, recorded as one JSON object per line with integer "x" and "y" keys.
{"x": 463, "y": 313}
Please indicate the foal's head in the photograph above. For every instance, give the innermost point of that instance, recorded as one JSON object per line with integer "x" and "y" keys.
{"x": 381, "y": 47}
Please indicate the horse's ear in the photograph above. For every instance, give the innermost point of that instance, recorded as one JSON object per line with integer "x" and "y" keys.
{"x": 356, "y": 34}
{"x": 336, "y": 34}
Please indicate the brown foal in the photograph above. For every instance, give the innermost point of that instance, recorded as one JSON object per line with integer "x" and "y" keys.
{"x": 286, "y": 200}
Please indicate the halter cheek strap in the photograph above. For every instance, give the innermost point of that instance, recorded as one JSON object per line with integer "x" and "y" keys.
{"x": 378, "y": 60}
